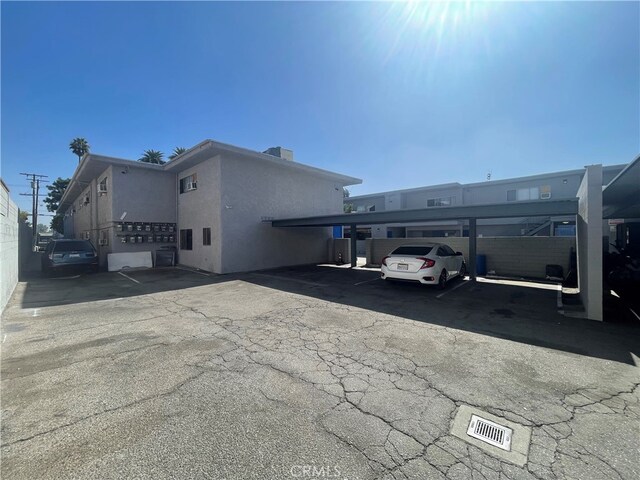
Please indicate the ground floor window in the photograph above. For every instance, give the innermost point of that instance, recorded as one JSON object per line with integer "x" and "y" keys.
{"x": 206, "y": 236}
{"x": 186, "y": 239}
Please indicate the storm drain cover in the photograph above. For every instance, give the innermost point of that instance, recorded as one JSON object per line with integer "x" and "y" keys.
{"x": 490, "y": 432}
{"x": 496, "y": 435}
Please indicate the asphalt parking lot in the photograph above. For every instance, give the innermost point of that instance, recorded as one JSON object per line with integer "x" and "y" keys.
{"x": 309, "y": 372}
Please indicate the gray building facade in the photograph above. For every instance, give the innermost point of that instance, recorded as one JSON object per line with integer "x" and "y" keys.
{"x": 213, "y": 203}
{"x": 557, "y": 185}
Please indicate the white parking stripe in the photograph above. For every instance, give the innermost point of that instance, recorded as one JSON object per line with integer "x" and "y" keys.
{"x": 127, "y": 276}
{"x": 288, "y": 279}
{"x": 193, "y": 271}
{"x": 368, "y": 281}
{"x": 465, "y": 282}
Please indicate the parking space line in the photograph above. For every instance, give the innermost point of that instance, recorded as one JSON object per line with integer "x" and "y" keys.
{"x": 193, "y": 271}
{"x": 465, "y": 282}
{"x": 127, "y": 276}
{"x": 288, "y": 279}
{"x": 368, "y": 281}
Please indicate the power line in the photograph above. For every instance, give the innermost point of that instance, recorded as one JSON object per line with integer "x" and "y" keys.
{"x": 35, "y": 194}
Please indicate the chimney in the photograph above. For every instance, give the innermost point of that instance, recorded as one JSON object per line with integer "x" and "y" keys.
{"x": 280, "y": 152}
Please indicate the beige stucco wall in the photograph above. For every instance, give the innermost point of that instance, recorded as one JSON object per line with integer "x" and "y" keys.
{"x": 254, "y": 190}
{"x": 508, "y": 256}
{"x": 199, "y": 209}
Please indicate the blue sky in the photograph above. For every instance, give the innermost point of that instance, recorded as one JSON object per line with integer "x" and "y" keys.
{"x": 400, "y": 95}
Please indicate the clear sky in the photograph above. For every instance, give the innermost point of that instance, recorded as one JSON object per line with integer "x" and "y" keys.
{"x": 400, "y": 95}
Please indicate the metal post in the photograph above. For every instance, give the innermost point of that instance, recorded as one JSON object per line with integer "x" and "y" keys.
{"x": 472, "y": 249}
{"x": 354, "y": 247}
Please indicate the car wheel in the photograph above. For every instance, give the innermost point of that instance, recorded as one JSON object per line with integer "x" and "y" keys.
{"x": 463, "y": 270}
{"x": 442, "y": 281}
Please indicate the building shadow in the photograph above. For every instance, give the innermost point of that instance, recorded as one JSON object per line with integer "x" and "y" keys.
{"x": 526, "y": 313}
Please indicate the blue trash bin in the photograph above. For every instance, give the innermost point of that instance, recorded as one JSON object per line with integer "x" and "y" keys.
{"x": 481, "y": 264}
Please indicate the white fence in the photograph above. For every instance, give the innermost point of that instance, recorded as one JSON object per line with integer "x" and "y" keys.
{"x": 9, "y": 254}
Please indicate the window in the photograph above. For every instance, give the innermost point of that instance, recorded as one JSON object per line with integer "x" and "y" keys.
{"x": 522, "y": 194}
{"x": 186, "y": 239}
{"x": 206, "y": 236}
{"x": 189, "y": 183}
{"x": 448, "y": 250}
{"x": 410, "y": 250}
{"x": 102, "y": 186}
{"x": 440, "y": 202}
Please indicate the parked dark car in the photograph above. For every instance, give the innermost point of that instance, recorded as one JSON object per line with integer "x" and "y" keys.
{"x": 67, "y": 254}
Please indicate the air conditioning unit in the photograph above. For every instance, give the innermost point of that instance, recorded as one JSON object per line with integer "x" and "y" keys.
{"x": 545, "y": 196}
{"x": 103, "y": 241}
{"x": 191, "y": 186}
{"x": 102, "y": 188}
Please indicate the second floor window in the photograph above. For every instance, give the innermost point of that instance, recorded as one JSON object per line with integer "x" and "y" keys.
{"x": 189, "y": 183}
{"x": 440, "y": 202}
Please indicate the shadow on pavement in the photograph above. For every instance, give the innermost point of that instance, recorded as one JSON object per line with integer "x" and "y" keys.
{"x": 523, "y": 314}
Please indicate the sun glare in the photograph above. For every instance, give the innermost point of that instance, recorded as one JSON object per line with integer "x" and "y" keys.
{"x": 428, "y": 27}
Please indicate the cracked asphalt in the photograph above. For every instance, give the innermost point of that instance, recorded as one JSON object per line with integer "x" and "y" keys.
{"x": 310, "y": 372}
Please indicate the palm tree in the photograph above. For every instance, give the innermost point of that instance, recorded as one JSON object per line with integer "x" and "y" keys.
{"x": 152, "y": 156}
{"x": 79, "y": 146}
{"x": 177, "y": 151}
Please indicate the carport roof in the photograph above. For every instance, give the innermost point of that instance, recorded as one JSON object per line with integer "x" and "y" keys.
{"x": 493, "y": 210}
{"x": 621, "y": 198}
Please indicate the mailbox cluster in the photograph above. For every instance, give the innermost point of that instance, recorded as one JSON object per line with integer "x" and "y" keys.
{"x": 145, "y": 232}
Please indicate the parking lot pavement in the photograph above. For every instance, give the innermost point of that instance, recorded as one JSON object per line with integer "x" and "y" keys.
{"x": 310, "y": 372}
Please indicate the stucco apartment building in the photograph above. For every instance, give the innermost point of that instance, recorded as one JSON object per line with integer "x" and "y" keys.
{"x": 213, "y": 203}
{"x": 557, "y": 185}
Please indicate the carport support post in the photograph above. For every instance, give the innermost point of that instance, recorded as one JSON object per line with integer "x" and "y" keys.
{"x": 354, "y": 247}
{"x": 472, "y": 249}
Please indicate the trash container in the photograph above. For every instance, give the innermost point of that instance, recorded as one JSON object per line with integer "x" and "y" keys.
{"x": 481, "y": 264}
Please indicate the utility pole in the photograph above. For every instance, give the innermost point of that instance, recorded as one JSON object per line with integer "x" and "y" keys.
{"x": 35, "y": 196}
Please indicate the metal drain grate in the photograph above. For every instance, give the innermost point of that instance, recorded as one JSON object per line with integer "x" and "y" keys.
{"x": 490, "y": 432}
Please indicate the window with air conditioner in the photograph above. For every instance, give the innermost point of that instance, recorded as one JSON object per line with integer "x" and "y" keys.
{"x": 189, "y": 183}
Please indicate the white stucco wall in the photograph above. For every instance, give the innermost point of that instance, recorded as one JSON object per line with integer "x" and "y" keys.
{"x": 253, "y": 190}
{"x": 589, "y": 241}
{"x": 8, "y": 246}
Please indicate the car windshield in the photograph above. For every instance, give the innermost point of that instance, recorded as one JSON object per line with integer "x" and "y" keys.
{"x": 418, "y": 250}
{"x": 73, "y": 246}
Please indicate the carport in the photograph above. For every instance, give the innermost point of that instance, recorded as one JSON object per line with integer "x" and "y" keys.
{"x": 470, "y": 213}
{"x": 587, "y": 207}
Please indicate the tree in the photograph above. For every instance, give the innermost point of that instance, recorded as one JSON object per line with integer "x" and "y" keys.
{"x": 56, "y": 190}
{"x": 177, "y": 151}
{"x": 57, "y": 224}
{"x": 152, "y": 156}
{"x": 79, "y": 146}
{"x": 23, "y": 217}
{"x": 42, "y": 228}
{"x": 348, "y": 207}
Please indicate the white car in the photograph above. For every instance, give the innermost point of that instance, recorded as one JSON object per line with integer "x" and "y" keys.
{"x": 432, "y": 264}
